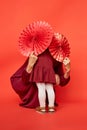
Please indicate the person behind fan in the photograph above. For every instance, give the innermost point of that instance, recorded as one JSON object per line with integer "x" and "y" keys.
{"x": 46, "y": 85}
{"x": 35, "y": 80}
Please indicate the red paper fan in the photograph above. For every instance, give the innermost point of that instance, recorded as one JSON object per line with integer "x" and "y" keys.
{"x": 36, "y": 37}
{"x": 59, "y": 47}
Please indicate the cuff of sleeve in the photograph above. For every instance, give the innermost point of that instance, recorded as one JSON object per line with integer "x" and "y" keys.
{"x": 64, "y": 81}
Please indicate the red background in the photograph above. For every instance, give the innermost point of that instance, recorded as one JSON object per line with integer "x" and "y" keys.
{"x": 68, "y": 17}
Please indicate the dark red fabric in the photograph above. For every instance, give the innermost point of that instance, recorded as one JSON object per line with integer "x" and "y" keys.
{"x": 24, "y": 85}
{"x": 43, "y": 70}
{"x": 27, "y": 91}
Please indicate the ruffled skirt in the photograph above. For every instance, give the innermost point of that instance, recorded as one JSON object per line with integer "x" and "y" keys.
{"x": 43, "y": 70}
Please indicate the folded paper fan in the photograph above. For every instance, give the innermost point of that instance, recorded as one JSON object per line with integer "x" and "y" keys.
{"x": 36, "y": 37}
{"x": 59, "y": 47}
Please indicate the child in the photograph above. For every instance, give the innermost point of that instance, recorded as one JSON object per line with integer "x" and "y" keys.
{"x": 36, "y": 77}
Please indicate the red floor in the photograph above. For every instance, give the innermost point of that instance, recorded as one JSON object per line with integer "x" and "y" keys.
{"x": 68, "y": 17}
{"x": 69, "y": 115}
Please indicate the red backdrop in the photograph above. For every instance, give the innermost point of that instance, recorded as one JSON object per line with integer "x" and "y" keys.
{"x": 68, "y": 17}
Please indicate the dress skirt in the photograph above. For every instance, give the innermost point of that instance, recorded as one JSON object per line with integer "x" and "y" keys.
{"x": 43, "y": 69}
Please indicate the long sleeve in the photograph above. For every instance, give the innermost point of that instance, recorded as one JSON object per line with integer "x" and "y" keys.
{"x": 25, "y": 77}
{"x": 64, "y": 81}
{"x": 58, "y": 68}
{"x": 26, "y": 90}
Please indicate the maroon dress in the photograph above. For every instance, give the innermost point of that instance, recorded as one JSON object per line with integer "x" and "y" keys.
{"x": 44, "y": 71}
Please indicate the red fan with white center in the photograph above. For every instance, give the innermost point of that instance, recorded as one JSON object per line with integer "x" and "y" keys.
{"x": 36, "y": 37}
{"x": 59, "y": 47}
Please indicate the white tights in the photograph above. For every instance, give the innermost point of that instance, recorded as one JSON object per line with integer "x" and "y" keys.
{"x": 42, "y": 89}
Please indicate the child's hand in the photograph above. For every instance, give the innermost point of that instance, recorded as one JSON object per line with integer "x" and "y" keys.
{"x": 66, "y": 63}
{"x": 31, "y": 62}
{"x": 32, "y": 59}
